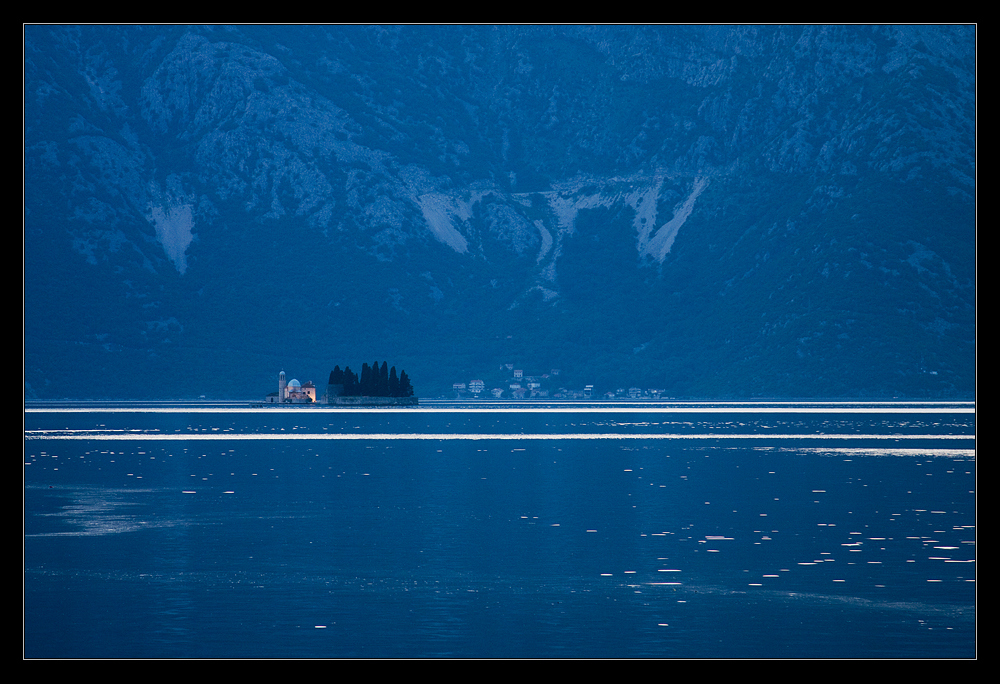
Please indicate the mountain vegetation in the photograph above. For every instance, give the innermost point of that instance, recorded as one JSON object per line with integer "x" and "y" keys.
{"x": 717, "y": 211}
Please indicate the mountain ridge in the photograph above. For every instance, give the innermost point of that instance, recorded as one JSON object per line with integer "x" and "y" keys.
{"x": 545, "y": 185}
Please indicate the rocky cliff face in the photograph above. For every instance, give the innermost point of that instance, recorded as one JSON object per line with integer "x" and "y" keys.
{"x": 738, "y": 211}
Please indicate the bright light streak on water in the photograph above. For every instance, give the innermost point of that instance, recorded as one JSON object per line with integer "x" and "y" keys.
{"x": 134, "y": 436}
{"x": 733, "y": 408}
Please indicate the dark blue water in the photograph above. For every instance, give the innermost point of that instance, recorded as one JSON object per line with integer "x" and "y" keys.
{"x": 724, "y": 532}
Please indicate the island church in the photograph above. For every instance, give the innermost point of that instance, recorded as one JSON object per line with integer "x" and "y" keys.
{"x": 292, "y": 392}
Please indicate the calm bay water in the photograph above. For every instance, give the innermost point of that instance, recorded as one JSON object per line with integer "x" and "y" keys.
{"x": 645, "y": 530}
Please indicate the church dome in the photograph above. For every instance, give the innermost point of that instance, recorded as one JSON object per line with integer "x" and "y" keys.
{"x": 294, "y": 383}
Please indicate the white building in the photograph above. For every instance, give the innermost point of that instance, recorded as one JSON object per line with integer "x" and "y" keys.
{"x": 292, "y": 392}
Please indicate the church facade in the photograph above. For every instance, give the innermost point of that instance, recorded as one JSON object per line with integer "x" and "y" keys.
{"x": 292, "y": 392}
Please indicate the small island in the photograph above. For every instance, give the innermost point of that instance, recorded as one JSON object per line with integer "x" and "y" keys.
{"x": 377, "y": 386}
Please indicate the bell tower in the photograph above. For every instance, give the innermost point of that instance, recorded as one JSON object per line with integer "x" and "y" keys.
{"x": 281, "y": 387}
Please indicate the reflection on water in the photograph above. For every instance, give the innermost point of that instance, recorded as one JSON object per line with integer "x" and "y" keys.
{"x": 514, "y": 533}
{"x": 93, "y": 511}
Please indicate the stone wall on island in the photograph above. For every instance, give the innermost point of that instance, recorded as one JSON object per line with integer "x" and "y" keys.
{"x": 372, "y": 401}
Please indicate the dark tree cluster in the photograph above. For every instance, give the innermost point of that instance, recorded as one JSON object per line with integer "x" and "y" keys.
{"x": 375, "y": 381}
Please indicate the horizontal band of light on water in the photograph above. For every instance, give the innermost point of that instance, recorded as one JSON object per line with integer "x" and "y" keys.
{"x": 306, "y": 410}
{"x": 153, "y": 436}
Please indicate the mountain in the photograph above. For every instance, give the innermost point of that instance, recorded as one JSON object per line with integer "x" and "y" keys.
{"x": 715, "y": 211}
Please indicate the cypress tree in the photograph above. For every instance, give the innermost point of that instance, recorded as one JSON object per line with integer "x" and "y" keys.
{"x": 335, "y": 385}
{"x": 382, "y": 390}
{"x": 405, "y": 388}
{"x": 393, "y": 383}
{"x": 350, "y": 383}
{"x": 336, "y": 376}
{"x": 366, "y": 380}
